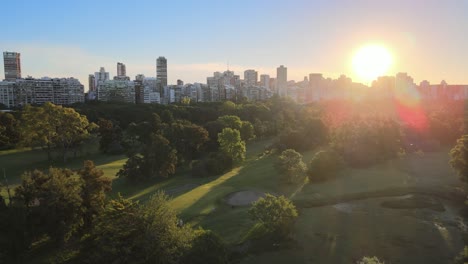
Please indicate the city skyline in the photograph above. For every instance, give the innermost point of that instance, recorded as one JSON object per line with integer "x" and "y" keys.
{"x": 308, "y": 39}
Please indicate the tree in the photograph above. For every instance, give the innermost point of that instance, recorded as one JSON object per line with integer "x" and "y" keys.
{"x": 160, "y": 159}
{"x": 51, "y": 126}
{"x": 276, "y": 214}
{"x": 110, "y": 137}
{"x": 247, "y": 131}
{"x": 186, "y": 138}
{"x": 156, "y": 159}
{"x": 207, "y": 248}
{"x": 9, "y": 134}
{"x": 93, "y": 193}
{"x": 324, "y": 165}
{"x": 231, "y": 144}
{"x": 231, "y": 121}
{"x": 131, "y": 233}
{"x": 290, "y": 165}
{"x": 459, "y": 157}
{"x": 53, "y": 201}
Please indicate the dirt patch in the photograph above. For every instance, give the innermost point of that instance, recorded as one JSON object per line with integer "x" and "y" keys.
{"x": 243, "y": 198}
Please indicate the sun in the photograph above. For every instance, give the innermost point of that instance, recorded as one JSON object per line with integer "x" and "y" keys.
{"x": 371, "y": 61}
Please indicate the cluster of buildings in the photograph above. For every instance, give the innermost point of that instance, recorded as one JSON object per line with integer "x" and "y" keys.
{"x": 18, "y": 91}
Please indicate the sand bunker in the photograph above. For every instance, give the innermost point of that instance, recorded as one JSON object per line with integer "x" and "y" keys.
{"x": 243, "y": 198}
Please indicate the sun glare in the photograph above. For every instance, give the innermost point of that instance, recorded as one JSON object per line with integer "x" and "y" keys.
{"x": 371, "y": 61}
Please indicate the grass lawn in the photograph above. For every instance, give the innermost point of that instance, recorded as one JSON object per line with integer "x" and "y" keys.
{"x": 324, "y": 234}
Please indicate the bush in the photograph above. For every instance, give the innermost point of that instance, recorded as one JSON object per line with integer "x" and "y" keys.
{"x": 276, "y": 214}
{"x": 325, "y": 165}
{"x": 370, "y": 260}
{"x": 207, "y": 248}
{"x": 291, "y": 166}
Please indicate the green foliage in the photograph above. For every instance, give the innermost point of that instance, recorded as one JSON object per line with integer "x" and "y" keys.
{"x": 231, "y": 121}
{"x": 231, "y": 144}
{"x": 51, "y": 126}
{"x": 110, "y": 137}
{"x": 9, "y": 131}
{"x": 207, "y": 248}
{"x": 157, "y": 159}
{"x": 462, "y": 258}
{"x": 215, "y": 164}
{"x": 14, "y": 236}
{"x": 325, "y": 165}
{"x": 93, "y": 193}
{"x": 276, "y": 214}
{"x": 363, "y": 142}
{"x": 290, "y": 165}
{"x": 369, "y": 260}
{"x": 459, "y": 157}
{"x": 247, "y": 131}
{"x": 130, "y": 233}
{"x": 186, "y": 138}
{"x": 53, "y": 201}
{"x": 305, "y": 136}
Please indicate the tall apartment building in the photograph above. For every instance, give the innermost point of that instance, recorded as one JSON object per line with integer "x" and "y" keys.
{"x": 281, "y": 80}
{"x": 7, "y": 95}
{"x": 161, "y": 70}
{"x": 12, "y": 64}
{"x": 101, "y": 76}
{"x": 116, "y": 91}
{"x": 121, "y": 70}
{"x": 60, "y": 91}
{"x": 265, "y": 81}
{"x": 250, "y": 77}
{"x": 91, "y": 83}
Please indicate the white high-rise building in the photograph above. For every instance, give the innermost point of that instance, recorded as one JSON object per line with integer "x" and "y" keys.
{"x": 281, "y": 80}
{"x": 265, "y": 81}
{"x": 101, "y": 76}
{"x": 250, "y": 77}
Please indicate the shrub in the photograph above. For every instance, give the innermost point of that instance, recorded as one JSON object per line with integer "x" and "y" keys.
{"x": 276, "y": 214}
{"x": 325, "y": 165}
{"x": 290, "y": 165}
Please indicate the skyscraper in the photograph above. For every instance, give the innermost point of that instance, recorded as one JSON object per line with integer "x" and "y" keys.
{"x": 250, "y": 77}
{"x": 91, "y": 83}
{"x": 121, "y": 70}
{"x": 161, "y": 70}
{"x": 101, "y": 76}
{"x": 265, "y": 80}
{"x": 281, "y": 80}
{"x": 12, "y": 63}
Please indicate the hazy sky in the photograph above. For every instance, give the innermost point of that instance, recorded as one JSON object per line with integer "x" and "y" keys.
{"x": 428, "y": 39}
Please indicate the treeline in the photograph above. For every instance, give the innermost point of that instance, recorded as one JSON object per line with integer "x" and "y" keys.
{"x": 69, "y": 211}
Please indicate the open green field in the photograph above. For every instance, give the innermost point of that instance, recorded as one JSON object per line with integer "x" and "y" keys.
{"x": 340, "y": 220}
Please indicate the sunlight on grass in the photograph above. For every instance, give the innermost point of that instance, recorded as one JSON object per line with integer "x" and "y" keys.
{"x": 188, "y": 199}
{"x": 444, "y": 234}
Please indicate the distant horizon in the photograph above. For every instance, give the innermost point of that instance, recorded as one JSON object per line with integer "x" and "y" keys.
{"x": 311, "y": 37}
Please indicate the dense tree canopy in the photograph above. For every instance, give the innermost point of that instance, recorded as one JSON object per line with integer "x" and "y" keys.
{"x": 54, "y": 127}
{"x": 231, "y": 144}
{"x": 291, "y": 166}
{"x": 459, "y": 157}
{"x": 9, "y": 130}
{"x": 276, "y": 214}
{"x": 131, "y": 233}
{"x": 53, "y": 201}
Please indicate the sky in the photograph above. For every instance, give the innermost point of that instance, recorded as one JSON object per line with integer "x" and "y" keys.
{"x": 428, "y": 39}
